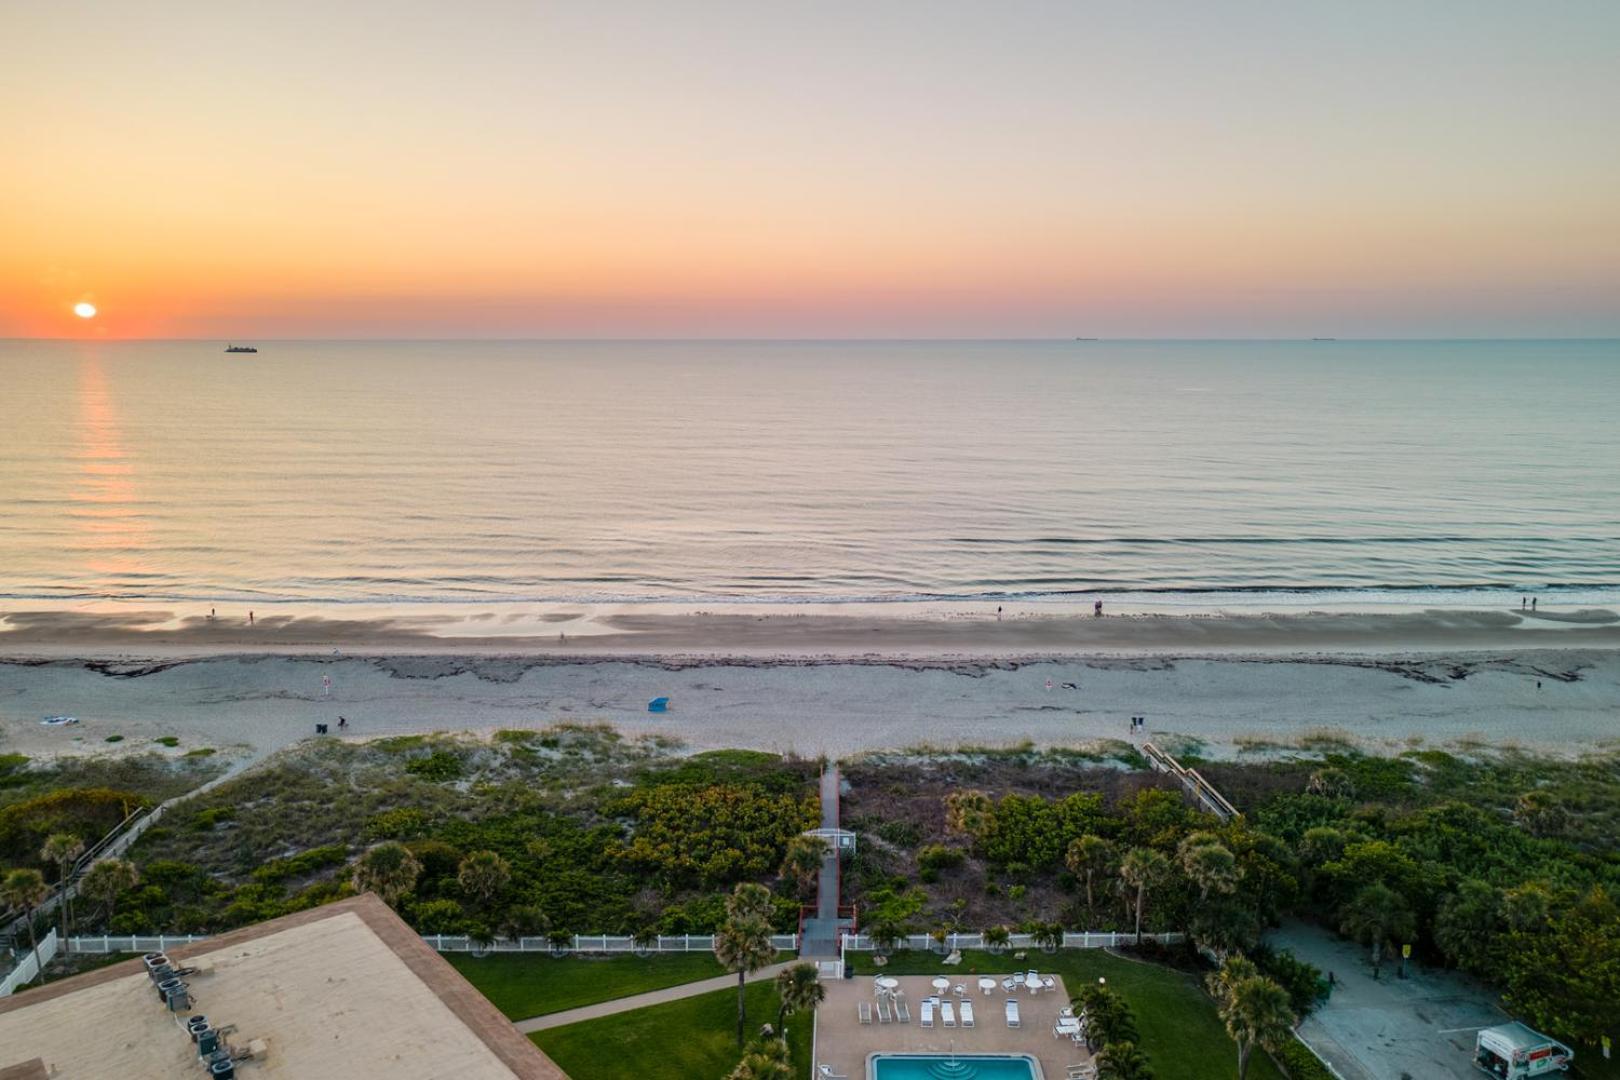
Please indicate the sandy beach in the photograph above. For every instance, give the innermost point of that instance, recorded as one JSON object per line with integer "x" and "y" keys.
{"x": 815, "y": 684}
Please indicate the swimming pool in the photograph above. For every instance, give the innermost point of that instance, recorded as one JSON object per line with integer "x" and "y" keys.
{"x": 953, "y": 1067}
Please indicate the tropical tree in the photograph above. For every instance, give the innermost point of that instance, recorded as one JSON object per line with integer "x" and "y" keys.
{"x": 1210, "y": 866}
{"x": 1108, "y": 1017}
{"x": 797, "y": 988}
{"x": 1046, "y": 935}
{"x": 482, "y": 875}
{"x": 1332, "y": 783}
{"x": 1090, "y": 857}
{"x": 389, "y": 870}
{"x": 1143, "y": 869}
{"x": 996, "y": 938}
{"x": 1257, "y": 1013}
{"x": 521, "y": 921}
{"x": 969, "y": 812}
{"x": 751, "y": 901}
{"x": 1377, "y": 916}
{"x": 62, "y": 850}
{"x": 107, "y": 880}
{"x": 801, "y": 860}
{"x": 1540, "y": 814}
{"x": 885, "y": 935}
{"x": 1467, "y": 923}
{"x": 743, "y": 945}
{"x": 1233, "y": 970}
{"x": 1123, "y": 1061}
{"x": 766, "y": 1059}
{"x": 25, "y": 888}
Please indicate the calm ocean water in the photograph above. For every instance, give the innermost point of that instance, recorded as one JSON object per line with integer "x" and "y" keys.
{"x": 456, "y": 471}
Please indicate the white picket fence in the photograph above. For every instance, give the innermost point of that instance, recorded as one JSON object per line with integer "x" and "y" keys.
{"x": 24, "y": 972}
{"x": 581, "y": 943}
{"x": 1072, "y": 939}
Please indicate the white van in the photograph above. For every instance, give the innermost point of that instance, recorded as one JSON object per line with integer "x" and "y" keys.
{"x": 1512, "y": 1051}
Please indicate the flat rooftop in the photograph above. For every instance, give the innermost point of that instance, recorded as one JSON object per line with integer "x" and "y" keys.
{"x": 335, "y": 992}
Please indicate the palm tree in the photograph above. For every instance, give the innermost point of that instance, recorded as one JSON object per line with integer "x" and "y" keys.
{"x": 389, "y": 870}
{"x": 1088, "y": 858}
{"x": 1332, "y": 783}
{"x": 1257, "y": 1013}
{"x": 743, "y": 945}
{"x": 107, "y": 879}
{"x": 63, "y": 850}
{"x": 751, "y": 901}
{"x": 885, "y": 935}
{"x": 1123, "y": 1061}
{"x": 996, "y": 938}
{"x": 1143, "y": 869}
{"x": 1211, "y": 867}
{"x": 969, "y": 812}
{"x": 802, "y": 860}
{"x": 482, "y": 875}
{"x": 798, "y": 988}
{"x": 645, "y": 939}
{"x": 1234, "y": 969}
{"x": 1377, "y": 916}
{"x": 1046, "y": 935}
{"x": 25, "y": 888}
{"x": 766, "y": 1059}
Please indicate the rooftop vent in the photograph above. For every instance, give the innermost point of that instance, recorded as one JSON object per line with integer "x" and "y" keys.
{"x": 222, "y": 1070}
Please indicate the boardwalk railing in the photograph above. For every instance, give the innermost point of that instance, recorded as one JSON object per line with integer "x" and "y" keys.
{"x": 24, "y": 972}
{"x": 1086, "y": 939}
{"x": 1199, "y": 788}
{"x": 580, "y": 943}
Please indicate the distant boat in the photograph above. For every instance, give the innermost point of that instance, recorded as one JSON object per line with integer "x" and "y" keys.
{"x": 240, "y": 348}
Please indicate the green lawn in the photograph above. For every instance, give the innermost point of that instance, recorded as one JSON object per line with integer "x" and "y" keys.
{"x": 522, "y": 985}
{"x": 692, "y": 1039}
{"x": 1181, "y": 1034}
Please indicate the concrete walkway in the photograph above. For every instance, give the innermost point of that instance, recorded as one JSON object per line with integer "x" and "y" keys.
{"x": 642, "y": 1001}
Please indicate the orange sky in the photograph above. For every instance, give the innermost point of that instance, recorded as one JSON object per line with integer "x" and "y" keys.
{"x": 505, "y": 169}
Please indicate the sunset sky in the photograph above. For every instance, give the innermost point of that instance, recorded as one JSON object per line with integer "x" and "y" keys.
{"x": 934, "y": 169}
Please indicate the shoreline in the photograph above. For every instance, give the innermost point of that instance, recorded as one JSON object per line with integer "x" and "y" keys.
{"x": 158, "y": 633}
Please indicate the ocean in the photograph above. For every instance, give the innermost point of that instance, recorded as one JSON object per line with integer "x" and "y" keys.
{"x": 1206, "y": 474}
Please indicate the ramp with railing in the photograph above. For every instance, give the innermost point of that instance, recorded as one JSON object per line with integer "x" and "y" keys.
{"x": 1200, "y": 789}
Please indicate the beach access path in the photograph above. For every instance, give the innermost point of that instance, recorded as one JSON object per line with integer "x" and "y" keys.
{"x": 642, "y": 1001}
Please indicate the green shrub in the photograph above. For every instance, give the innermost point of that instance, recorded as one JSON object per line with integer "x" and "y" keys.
{"x": 207, "y": 819}
{"x": 939, "y": 857}
{"x": 171, "y": 741}
{"x": 439, "y": 766}
{"x": 902, "y": 834}
{"x": 201, "y": 751}
{"x": 1298, "y": 1063}
{"x": 401, "y": 823}
{"x": 114, "y": 738}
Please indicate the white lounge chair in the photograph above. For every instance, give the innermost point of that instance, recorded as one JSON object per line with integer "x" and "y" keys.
{"x": 1087, "y": 1071}
{"x": 1049, "y": 982}
{"x": 947, "y": 1014}
{"x": 1012, "y": 1013}
{"x": 1009, "y": 983}
{"x": 927, "y": 1020}
{"x": 967, "y": 1014}
{"x": 885, "y": 1016}
{"x": 902, "y": 1011}
{"x": 826, "y": 1071}
{"x": 863, "y": 1009}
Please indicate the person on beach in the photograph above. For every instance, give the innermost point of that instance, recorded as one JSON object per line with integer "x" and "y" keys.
{"x": 1096, "y": 609}
{"x": 998, "y": 613}
{"x": 1532, "y": 603}
{"x": 250, "y": 618}
{"x": 342, "y": 723}
{"x": 1523, "y": 603}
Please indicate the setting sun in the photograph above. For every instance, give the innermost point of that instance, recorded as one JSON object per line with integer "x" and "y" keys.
{"x": 84, "y": 309}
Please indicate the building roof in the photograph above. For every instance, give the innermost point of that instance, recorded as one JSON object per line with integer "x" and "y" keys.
{"x": 338, "y": 991}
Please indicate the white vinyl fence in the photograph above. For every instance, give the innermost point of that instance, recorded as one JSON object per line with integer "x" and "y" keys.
{"x": 581, "y": 943}
{"x": 24, "y": 972}
{"x": 1087, "y": 939}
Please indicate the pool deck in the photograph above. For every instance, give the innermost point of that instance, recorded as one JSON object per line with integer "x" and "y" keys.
{"x": 844, "y": 1043}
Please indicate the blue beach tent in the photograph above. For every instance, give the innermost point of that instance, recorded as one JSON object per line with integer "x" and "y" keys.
{"x": 658, "y": 704}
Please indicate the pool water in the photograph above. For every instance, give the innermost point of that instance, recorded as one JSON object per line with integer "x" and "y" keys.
{"x": 948, "y": 1067}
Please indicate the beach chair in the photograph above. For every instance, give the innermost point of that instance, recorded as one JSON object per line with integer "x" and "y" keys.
{"x": 902, "y": 1011}
{"x": 884, "y": 1015}
{"x": 1012, "y": 1013}
{"x": 1049, "y": 982}
{"x": 967, "y": 1014}
{"x": 947, "y": 1014}
{"x": 927, "y": 1020}
{"x": 826, "y": 1073}
{"x": 1008, "y": 983}
{"x": 863, "y": 1009}
{"x": 1087, "y": 1071}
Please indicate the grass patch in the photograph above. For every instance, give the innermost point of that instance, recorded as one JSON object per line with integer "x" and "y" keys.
{"x": 201, "y": 751}
{"x": 695, "y": 1037}
{"x": 171, "y": 741}
{"x": 522, "y": 985}
{"x": 114, "y": 738}
{"x": 1181, "y": 1033}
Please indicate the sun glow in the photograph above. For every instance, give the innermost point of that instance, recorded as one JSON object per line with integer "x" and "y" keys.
{"x": 84, "y": 309}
